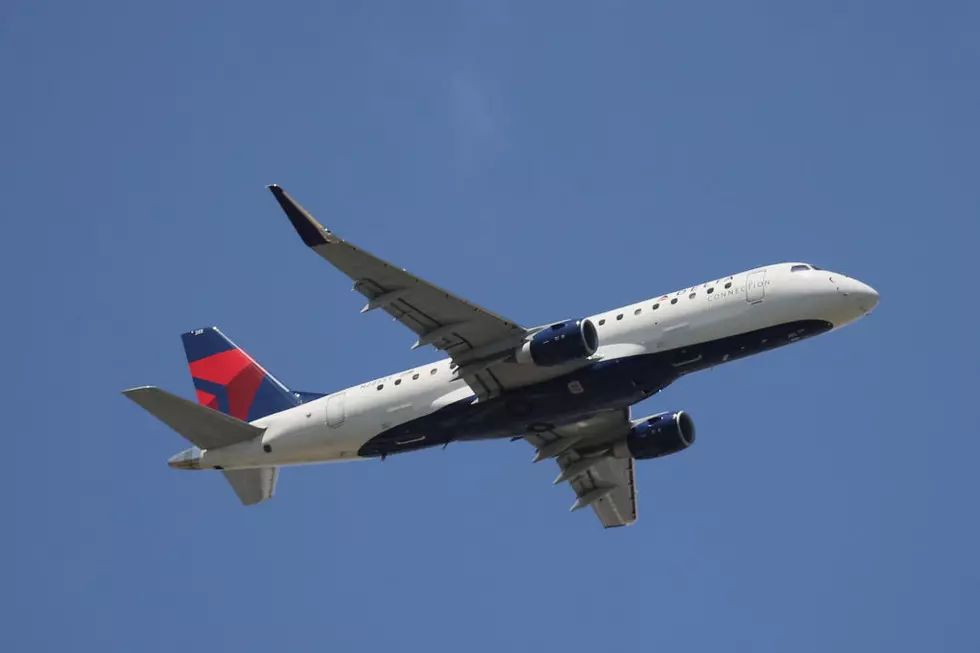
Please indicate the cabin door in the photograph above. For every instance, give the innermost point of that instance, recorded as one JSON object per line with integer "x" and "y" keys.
{"x": 336, "y": 410}
{"x": 755, "y": 287}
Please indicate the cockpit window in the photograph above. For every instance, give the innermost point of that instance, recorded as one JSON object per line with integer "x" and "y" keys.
{"x": 799, "y": 268}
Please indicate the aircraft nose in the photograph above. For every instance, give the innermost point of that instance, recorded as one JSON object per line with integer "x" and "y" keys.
{"x": 864, "y": 295}
{"x": 869, "y": 297}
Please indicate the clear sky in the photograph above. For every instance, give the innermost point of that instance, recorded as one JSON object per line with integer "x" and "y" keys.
{"x": 546, "y": 160}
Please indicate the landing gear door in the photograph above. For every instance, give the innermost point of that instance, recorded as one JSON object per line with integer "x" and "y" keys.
{"x": 336, "y": 410}
{"x": 755, "y": 287}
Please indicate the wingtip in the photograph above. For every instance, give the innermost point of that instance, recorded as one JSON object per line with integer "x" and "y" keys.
{"x": 309, "y": 230}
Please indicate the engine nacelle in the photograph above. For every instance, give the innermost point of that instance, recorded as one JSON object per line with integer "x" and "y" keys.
{"x": 560, "y": 343}
{"x": 657, "y": 436}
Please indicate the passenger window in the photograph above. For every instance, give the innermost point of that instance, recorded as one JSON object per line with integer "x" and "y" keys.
{"x": 710, "y": 290}
{"x": 619, "y": 317}
{"x": 415, "y": 377}
{"x": 637, "y": 311}
{"x": 656, "y": 306}
{"x": 381, "y": 386}
{"x": 602, "y": 321}
{"x": 728, "y": 285}
{"x": 691, "y": 296}
{"x": 433, "y": 371}
{"x": 398, "y": 381}
{"x": 673, "y": 301}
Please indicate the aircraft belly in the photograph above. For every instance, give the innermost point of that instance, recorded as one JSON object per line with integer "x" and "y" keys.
{"x": 603, "y": 385}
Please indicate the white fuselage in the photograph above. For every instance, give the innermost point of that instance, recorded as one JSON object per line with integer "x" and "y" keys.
{"x": 335, "y": 427}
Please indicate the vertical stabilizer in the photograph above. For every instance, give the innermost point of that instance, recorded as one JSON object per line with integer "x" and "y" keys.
{"x": 230, "y": 381}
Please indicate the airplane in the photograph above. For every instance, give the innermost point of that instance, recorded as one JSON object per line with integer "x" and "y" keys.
{"x": 566, "y": 388}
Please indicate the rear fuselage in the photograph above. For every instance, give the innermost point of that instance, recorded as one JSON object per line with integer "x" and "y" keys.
{"x": 643, "y": 348}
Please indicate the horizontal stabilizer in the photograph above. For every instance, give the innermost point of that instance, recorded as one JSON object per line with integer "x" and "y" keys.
{"x": 253, "y": 485}
{"x": 206, "y": 428}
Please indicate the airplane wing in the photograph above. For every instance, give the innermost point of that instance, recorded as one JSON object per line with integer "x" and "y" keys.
{"x": 474, "y": 337}
{"x": 598, "y": 478}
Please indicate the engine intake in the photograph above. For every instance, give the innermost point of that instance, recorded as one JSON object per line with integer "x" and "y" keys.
{"x": 560, "y": 343}
{"x": 657, "y": 436}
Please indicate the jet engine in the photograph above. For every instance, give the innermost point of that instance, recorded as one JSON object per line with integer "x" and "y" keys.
{"x": 560, "y": 343}
{"x": 657, "y": 436}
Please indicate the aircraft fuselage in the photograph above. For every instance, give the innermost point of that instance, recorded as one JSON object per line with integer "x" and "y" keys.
{"x": 643, "y": 348}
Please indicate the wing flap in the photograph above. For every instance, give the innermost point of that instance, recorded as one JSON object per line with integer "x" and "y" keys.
{"x": 202, "y": 426}
{"x": 609, "y": 487}
{"x": 599, "y": 479}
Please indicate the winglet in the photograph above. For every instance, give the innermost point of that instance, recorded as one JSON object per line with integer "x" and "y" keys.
{"x": 311, "y": 231}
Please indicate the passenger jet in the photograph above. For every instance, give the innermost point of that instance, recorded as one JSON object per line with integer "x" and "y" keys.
{"x": 566, "y": 388}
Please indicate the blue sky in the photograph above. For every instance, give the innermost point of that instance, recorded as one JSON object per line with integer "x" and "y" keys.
{"x": 546, "y": 160}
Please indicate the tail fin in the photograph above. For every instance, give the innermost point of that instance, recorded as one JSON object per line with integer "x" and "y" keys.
{"x": 229, "y": 380}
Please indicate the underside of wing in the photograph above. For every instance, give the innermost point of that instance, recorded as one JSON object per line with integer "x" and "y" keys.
{"x": 609, "y": 486}
{"x": 585, "y": 455}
